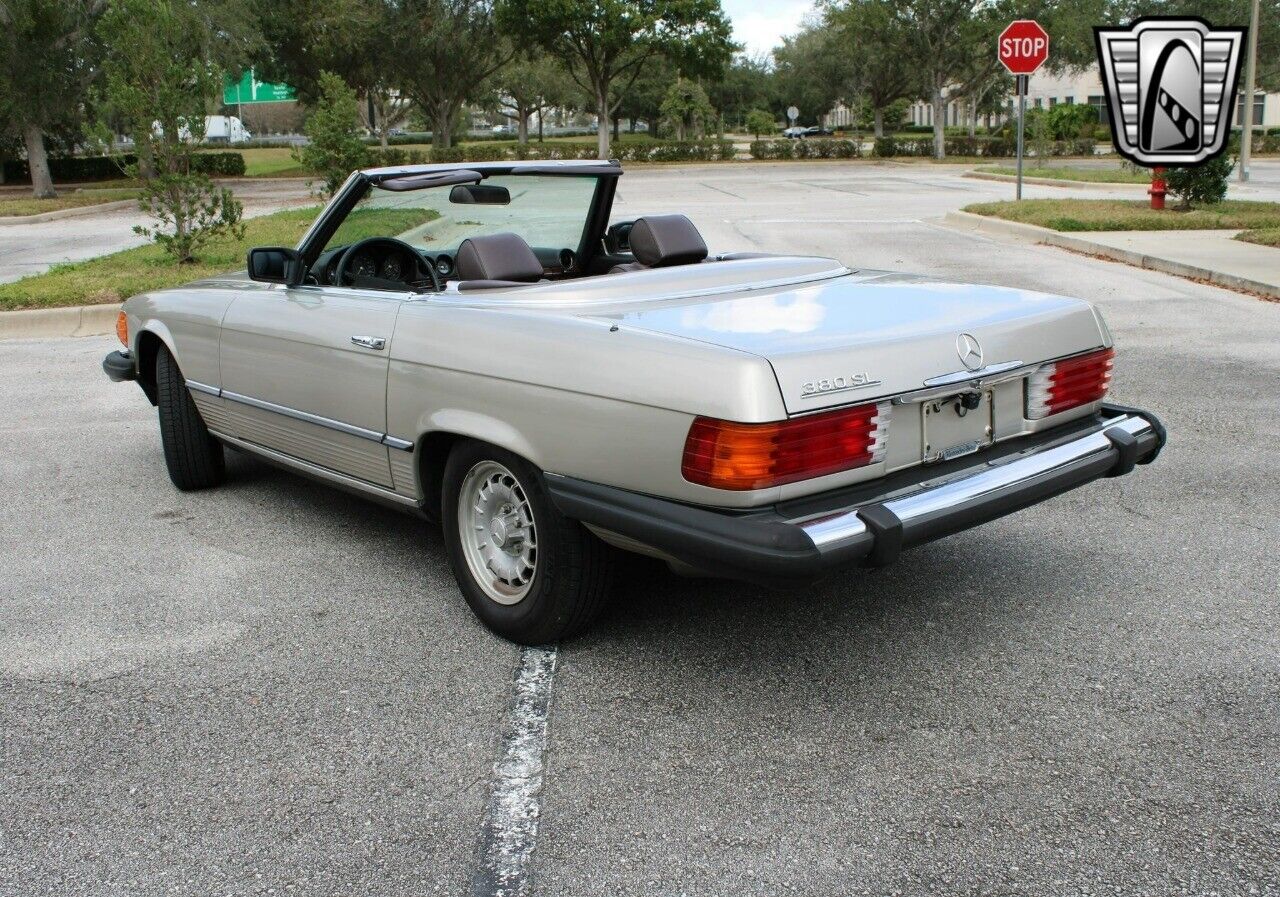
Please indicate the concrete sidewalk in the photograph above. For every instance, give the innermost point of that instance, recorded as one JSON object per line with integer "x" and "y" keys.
{"x": 1209, "y": 255}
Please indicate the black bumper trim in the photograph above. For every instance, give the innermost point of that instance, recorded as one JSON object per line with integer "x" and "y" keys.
{"x": 772, "y": 545}
{"x": 119, "y": 366}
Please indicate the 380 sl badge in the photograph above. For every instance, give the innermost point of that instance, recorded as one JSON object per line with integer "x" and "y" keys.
{"x": 836, "y": 384}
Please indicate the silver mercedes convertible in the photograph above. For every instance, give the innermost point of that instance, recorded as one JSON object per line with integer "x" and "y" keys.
{"x": 484, "y": 345}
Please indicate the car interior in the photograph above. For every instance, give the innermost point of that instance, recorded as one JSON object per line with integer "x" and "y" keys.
{"x": 502, "y": 260}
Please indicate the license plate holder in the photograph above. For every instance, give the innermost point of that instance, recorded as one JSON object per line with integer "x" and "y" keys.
{"x": 949, "y": 433}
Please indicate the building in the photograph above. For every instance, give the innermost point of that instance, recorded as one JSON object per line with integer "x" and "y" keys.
{"x": 1046, "y": 90}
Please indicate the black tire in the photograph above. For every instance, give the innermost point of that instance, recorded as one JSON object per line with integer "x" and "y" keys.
{"x": 574, "y": 569}
{"x": 194, "y": 458}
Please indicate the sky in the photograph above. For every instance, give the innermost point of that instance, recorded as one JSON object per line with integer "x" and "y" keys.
{"x": 761, "y": 24}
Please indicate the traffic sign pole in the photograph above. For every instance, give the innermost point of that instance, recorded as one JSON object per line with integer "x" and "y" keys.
{"x": 1022, "y": 48}
{"x": 1022, "y": 123}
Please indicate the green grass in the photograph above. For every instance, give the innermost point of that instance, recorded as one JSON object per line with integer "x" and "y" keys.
{"x": 116, "y": 277}
{"x": 1088, "y": 175}
{"x": 1267, "y": 236}
{"x": 270, "y": 161}
{"x": 1117, "y": 214}
{"x": 15, "y": 205}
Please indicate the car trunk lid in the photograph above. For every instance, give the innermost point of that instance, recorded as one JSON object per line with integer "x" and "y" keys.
{"x": 871, "y": 334}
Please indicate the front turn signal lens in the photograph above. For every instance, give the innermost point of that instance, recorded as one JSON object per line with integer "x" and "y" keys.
{"x": 729, "y": 455}
{"x": 122, "y": 328}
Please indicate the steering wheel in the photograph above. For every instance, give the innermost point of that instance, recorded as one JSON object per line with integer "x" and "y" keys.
{"x": 342, "y": 278}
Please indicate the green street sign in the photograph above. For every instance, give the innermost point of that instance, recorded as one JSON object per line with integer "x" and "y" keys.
{"x": 250, "y": 90}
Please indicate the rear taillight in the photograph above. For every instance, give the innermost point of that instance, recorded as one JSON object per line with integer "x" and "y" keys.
{"x": 727, "y": 455}
{"x": 1069, "y": 383}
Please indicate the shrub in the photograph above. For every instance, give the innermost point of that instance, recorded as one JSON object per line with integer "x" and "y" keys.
{"x": 761, "y": 122}
{"x": 772, "y": 149}
{"x": 221, "y": 165}
{"x": 335, "y": 149}
{"x": 884, "y": 147}
{"x": 1205, "y": 184}
{"x": 826, "y": 149}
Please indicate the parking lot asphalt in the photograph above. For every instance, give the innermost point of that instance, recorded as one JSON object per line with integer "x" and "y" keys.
{"x": 275, "y": 688}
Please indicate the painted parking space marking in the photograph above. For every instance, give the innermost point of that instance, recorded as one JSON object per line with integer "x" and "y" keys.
{"x": 509, "y": 827}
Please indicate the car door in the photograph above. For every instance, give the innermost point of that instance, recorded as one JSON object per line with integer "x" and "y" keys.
{"x": 304, "y": 372}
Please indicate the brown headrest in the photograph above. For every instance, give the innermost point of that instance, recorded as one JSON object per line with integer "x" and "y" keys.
{"x": 661, "y": 240}
{"x": 497, "y": 257}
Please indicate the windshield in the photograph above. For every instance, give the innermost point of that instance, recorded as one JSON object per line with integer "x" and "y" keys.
{"x": 548, "y": 211}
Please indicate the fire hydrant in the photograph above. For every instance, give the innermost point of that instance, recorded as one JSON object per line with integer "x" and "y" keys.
{"x": 1157, "y": 190}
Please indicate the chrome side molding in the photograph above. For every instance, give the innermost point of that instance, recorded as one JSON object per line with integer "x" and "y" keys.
{"x": 386, "y": 439}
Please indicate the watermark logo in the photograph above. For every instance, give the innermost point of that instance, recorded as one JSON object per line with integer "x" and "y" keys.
{"x": 1171, "y": 88}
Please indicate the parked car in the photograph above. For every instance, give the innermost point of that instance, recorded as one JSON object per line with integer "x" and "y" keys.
{"x": 478, "y": 344}
{"x": 811, "y": 131}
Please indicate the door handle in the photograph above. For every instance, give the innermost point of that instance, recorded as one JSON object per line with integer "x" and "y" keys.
{"x": 369, "y": 342}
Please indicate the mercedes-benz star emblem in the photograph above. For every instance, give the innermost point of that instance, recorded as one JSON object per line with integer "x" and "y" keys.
{"x": 969, "y": 350}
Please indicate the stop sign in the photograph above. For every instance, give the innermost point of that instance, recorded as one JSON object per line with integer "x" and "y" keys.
{"x": 1023, "y": 47}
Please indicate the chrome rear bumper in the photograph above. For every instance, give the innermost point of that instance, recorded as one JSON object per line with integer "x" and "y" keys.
{"x": 804, "y": 539}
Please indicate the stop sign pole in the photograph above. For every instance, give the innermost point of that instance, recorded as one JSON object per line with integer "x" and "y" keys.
{"x": 1022, "y": 47}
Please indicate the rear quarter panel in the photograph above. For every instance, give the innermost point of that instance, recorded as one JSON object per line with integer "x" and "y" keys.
{"x": 572, "y": 395}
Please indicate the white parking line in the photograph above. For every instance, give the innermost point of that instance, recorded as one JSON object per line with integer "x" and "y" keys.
{"x": 509, "y": 829}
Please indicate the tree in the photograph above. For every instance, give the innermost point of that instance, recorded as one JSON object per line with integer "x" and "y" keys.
{"x": 874, "y": 43}
{"x": 528, "y": 85}
{"x": 301, "y": 39}
{"x": 747, "y": 85}
{"x": 159, "y": 82}
{"x": 47, "y": 63}
{"x": 810, "y": 73}
{"x": 952, "y": 44}
{"x": 761, "y": 122}
{"x": 445, "y": 51}
{"x": 687, "y": 108}
{"x": 334, "y": 149}
{"x": 608, "y": 42}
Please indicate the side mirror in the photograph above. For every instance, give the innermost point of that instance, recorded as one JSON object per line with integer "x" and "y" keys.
{"x": 617, "y": 239}
{"x": 276, "y": 264}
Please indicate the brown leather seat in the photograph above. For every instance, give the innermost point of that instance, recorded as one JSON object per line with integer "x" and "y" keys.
{"x": 496, "y": 260}
{"x": 660, "y": 241}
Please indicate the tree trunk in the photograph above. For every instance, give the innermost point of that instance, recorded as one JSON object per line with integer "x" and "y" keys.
{"x": 877, "y": 118}
{"x": 973, "y": 117}
{"x": 146, "y": 158}
{"x": 939, "y": 124}
{"x": 617, "y": 126}
{"x": 38, "y": 163}
{"x": 540, "y": 117}
{"x": 631, "y": 128}
{"x": 602, "y": 121}
{"x": 442, "y": 130}
{"x": 653, "y": 128}
{"x": 522, "y": 125}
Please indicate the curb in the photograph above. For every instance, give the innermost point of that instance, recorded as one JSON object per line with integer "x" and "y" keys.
{"x": 1034, "y": 233}
{"x": 1049, "y": 182}
{"x": 68, "y": 213}
{"x": 80, "y": 320}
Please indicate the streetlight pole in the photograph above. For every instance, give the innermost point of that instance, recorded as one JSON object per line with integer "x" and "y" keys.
{"x": 1250, "y": 84}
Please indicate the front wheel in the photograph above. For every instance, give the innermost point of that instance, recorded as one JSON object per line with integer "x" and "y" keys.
{"x": 528, "y": 572}
{"x": 194, "y": 458}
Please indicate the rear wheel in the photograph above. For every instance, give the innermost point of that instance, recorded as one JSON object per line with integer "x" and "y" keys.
{"x": 530, "y": 573}
{"x": 194, "y": 458}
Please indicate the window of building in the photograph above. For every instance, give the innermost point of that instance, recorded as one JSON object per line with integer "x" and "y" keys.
{"x": 1100, "y": 103}
{"x": 1039, "y": 102}
{"x": 1070, "y": 101}
{"x": 1259, "y": 106}
{"x": 1053, "y": 101}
